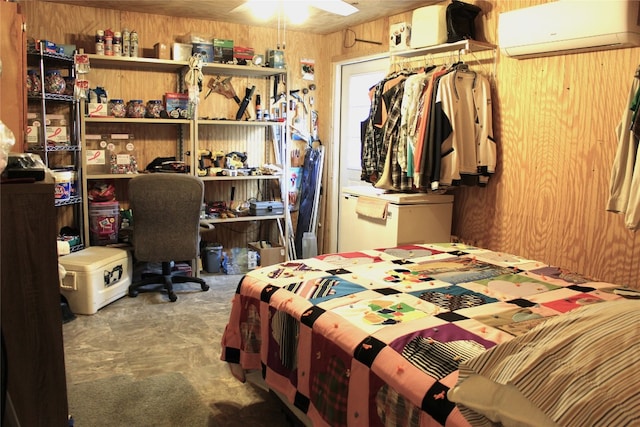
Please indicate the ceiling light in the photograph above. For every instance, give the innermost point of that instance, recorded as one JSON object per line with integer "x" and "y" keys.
{"x": 338, "y": 7}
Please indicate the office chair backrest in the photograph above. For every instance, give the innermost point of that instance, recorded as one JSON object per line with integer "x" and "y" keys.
{"x": 166, "y": 216}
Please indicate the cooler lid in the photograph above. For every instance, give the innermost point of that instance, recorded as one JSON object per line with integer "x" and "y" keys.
{"x": 92, "y": 258}
{"x": 399, "y": 198}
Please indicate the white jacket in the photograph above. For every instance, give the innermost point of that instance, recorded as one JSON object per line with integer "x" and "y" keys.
{"x": 624, "y": 188}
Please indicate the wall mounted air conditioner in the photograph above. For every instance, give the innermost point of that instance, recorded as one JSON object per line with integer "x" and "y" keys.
{"x": 569, "y": 26}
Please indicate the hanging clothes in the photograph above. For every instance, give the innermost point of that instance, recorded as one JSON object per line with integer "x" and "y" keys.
{"x": 427, "y": 131}
{"x": 373, "y": 146}
{"x": 470, "y": 149}
{"x": 391, "y": 174}
{"x": 435, "y": 129}
{"x": 624, "y": 187}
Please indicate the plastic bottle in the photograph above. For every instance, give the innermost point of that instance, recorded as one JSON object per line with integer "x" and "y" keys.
{"x": 309, "y": 245}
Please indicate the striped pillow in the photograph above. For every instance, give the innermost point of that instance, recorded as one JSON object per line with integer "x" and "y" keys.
{"x": 581, "y": 368}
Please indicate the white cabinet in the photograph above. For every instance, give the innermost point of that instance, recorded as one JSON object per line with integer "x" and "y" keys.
{"x": 371, "y": 219}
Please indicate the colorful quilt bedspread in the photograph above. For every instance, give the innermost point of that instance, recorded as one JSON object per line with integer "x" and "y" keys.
{"x": 374, "y": 338}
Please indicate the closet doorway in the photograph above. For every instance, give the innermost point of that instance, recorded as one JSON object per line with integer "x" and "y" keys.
{"x": 354, "y": 79}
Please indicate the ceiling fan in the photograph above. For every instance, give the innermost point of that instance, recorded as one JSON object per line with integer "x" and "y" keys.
{"x": 292, "y": 11}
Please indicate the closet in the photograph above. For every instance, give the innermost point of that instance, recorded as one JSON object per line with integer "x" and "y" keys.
{"x": 430, "y": 124}
{"x": 429, "y": 130}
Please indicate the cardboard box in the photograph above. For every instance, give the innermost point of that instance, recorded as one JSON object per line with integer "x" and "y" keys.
{"x": 161, "y": 51}
{"x": 204, "y": 49}
{"x": 429, "y": 26}
{"x": 96, "y": 276}
{"x": 399, "y": 36}
{"x": 181, "y": 51}
{"x": 32, "y": 133}
{"x": 177, "y": 105}
{"x": 96, "y": 153}
{"x": 275, "y": 59}
{"x": 268, "y": 255}
{"x": 242, "y": 54}
{"x": 96, "y": 109}
{"x": 57, "y": 130}
{"x": 222, "y": 51}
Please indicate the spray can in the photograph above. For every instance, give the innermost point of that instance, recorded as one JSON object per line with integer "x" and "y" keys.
{"x": 133, "y": 49}
{"x": 126, "y": 42}
{"x": 258, "y": 108}
{"x": 100, "y": 42}
{"x": 108, "y": 43}
{"x": 117, "y": 43}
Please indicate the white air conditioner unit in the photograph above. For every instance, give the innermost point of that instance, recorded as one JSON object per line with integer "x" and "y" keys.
{"x": 569, "y": 26}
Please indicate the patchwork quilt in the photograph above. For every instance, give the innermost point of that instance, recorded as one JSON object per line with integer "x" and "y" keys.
{"x": 375, "y": 337}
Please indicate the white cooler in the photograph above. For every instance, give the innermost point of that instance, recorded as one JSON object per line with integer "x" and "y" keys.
{"x": 95, "y": 277}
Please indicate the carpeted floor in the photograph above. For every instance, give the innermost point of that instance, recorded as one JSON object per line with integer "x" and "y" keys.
{"x": 145, "y": 361}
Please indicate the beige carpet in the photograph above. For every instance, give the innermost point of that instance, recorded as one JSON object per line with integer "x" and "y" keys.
{"x": 160, "y": 400}
{"x": 146, "y": 361}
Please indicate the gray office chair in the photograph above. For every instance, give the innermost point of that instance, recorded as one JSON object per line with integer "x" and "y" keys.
{"x": 166, "y": 228}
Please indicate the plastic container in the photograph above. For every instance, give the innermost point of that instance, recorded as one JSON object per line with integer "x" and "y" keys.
{"x": 116, "y": 108}
{"x": 309, "y": 245}
{"x": 54, "y": 82}
{"x": 136, "y": 109}
{"x": 212, "y": 258}
{"x": 154, "y": 108}
{"x": 103, "y": 223}
{"x": 34, "y": 85}
{"x": 62, "y": 188}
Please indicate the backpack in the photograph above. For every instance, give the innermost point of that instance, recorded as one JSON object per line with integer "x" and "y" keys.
{"x": 460, "y": 21}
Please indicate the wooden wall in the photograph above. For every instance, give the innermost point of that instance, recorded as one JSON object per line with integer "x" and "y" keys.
{"x": 554, "y": 121}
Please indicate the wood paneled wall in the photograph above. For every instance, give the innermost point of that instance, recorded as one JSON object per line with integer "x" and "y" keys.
{"x": 554, "y": 121}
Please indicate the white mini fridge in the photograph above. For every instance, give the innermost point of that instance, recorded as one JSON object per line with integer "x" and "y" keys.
{"x": 370, "y": 218}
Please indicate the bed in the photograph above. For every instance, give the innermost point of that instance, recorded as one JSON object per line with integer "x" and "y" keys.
{"x": 438, "y": 334}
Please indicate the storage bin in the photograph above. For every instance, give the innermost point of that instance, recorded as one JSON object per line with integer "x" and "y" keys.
{"x": 62, "y": 189}
{"x": 104, "y": 222}
{"x": 95, "y": 277}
